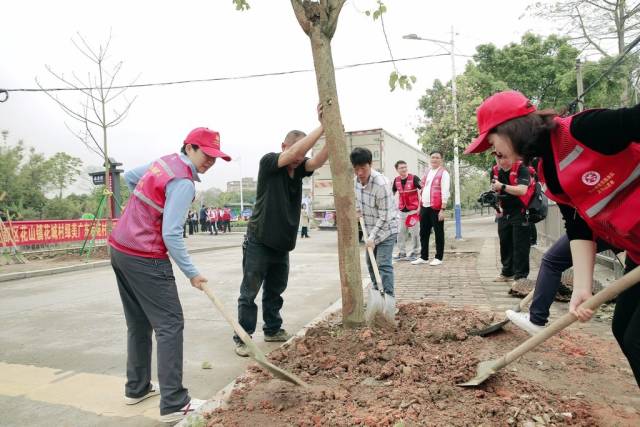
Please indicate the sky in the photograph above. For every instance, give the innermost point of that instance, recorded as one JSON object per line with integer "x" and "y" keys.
{"x": 160, "y": 41}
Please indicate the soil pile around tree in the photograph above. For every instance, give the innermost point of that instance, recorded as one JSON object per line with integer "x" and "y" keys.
{"x": 408, "y": 376}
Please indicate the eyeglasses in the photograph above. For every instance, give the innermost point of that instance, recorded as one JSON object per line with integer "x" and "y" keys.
{"x": 497, "y": 155}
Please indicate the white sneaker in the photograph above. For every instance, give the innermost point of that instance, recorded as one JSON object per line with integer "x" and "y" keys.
{"x": 419, "y": 261}
{"x": 153, "y": 391}
{"x": 185, "y": 411}
{"x": 435, "y": 261}
{"x": 522, "y": 321}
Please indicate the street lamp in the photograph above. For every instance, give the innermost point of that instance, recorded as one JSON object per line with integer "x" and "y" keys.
{"x": 239, "y": 160}
{"x": 456, "y": 161}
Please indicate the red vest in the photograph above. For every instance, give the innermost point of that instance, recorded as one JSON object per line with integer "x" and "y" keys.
{"x": 213, "y": 215}
{"x": 139, "y": 230}
{"x": 408, "y": 195}
{"x": 513, "y": 180}
{"x": 435, "y": 193}
{"x": 604, "y": 189}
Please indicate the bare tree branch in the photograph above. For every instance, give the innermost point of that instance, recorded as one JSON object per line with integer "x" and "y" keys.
{"x": 83, "y": 139}
{"x": 586, "y": 35}
{"x": 335, "y": 6}
{"x": 96, "y": 57}
{"x": 298, "y": 10}
{"x": 82, "y": 51}
{"x": 67, "y": 110}
{"x": 119, "y": 119}
{"x": 132, "y": 82}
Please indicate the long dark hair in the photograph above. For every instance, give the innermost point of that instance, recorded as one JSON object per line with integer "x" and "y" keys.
{"x": 528, "y": 132}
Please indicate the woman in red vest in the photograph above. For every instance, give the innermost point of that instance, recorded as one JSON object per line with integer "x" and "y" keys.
{"x": 590, "y": 165}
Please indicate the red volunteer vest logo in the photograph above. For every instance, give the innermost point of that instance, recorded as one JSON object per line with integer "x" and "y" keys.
{"x": 604, "y": 189}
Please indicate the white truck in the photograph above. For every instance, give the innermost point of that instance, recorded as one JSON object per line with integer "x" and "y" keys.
{"x": 387, "y": 149}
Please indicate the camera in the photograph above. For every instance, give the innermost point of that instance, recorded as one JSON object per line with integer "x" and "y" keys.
{"x": 489, "y": 199}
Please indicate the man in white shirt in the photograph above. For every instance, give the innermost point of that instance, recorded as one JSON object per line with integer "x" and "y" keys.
{"x": 435, "y": 195}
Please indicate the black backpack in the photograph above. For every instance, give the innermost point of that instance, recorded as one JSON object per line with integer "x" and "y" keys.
{"x": 539, "y": 204}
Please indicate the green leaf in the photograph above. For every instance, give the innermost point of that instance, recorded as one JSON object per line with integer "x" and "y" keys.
{"x": 393, "y": 79}
{"x": 241, "y": 4}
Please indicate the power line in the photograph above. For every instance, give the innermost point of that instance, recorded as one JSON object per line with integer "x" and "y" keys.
{"x": 4, "y": 93}
{"x": 573, "y": 104}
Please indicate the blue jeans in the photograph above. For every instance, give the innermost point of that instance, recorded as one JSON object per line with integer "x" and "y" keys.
{"x": 383, "y": 253}
{"x": 554, "y": 262}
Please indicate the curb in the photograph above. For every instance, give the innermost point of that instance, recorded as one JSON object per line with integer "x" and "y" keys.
{"x": 221, "y": 398}
{"x": 87, "y": 266}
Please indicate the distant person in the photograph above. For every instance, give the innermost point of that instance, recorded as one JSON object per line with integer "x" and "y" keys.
{"x": 407, "y": 186}
{"x": 272, "y": 232}
{"x": 151, "y": 225}
{"x": 212, "y": 215}
{"x": 226, "y": 220}
{"x": 304, "y": 222}
{"x": 435, "y": 196}
{"x": 194, "y": 221}
{"x": 190, "y": 222}
{"x": 203, "y": 219}
{"x": 513, "y": 182}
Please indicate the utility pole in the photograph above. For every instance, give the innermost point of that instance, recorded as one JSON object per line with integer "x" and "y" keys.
{"x": 241, "y": 197}
{"x": 454, "y": 102}
{"x": 579, "y": 84}
{"x": 456, "y": 160}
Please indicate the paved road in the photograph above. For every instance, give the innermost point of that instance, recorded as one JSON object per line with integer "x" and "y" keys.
{"x": 62, "y": 341}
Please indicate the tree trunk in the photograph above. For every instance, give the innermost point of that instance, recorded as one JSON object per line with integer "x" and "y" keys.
{"x": 341, "y": 169}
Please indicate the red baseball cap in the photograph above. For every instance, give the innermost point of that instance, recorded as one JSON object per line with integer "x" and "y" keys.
{"x": 208, "y": 140}
{"x": 495, "y": 110}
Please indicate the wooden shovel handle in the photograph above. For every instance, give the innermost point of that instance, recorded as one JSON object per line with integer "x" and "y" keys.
{"x": 607, "y": 294}
{"x": 372, "y": 257}
{"x": 239, "y": 330}
{"x": 526, "y": 300}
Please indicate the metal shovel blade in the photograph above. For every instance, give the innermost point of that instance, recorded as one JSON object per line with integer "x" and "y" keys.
{"x": 490, "y": 367}
{"x": 277, "y": 372}
{"x": 498, "y": 326}
{"x": 255, "y": 353}
{"x": 485, "y": 370}
{"x": 381, "y": 308}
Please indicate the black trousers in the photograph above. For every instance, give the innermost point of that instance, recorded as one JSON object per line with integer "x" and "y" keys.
{"x": 429, "y": 220}
{"x": 626, "y": 323}
{"x": 515, "y": 243}
{"x": 268, "y": 268}
{"x": 534, "y": 235}
{"x": 150, "y": 301}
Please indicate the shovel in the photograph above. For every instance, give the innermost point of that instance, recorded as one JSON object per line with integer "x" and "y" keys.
{"x": 488, "y": 368}
{"x": 255, "y": 353}
{"x": 379, "y": 302}
{"x": 498, "y": 326}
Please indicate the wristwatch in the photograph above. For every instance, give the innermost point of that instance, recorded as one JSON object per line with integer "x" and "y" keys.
{"x": 504, "y": 187}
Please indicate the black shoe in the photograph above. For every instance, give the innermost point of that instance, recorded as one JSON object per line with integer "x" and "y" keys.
{"x": 280, "y": 336}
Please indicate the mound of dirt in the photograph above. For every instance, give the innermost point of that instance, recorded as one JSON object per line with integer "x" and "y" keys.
{"x": 406, "y": 377}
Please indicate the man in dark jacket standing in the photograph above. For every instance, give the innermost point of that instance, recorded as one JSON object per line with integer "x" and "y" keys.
{"x": 272, "y": 232}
